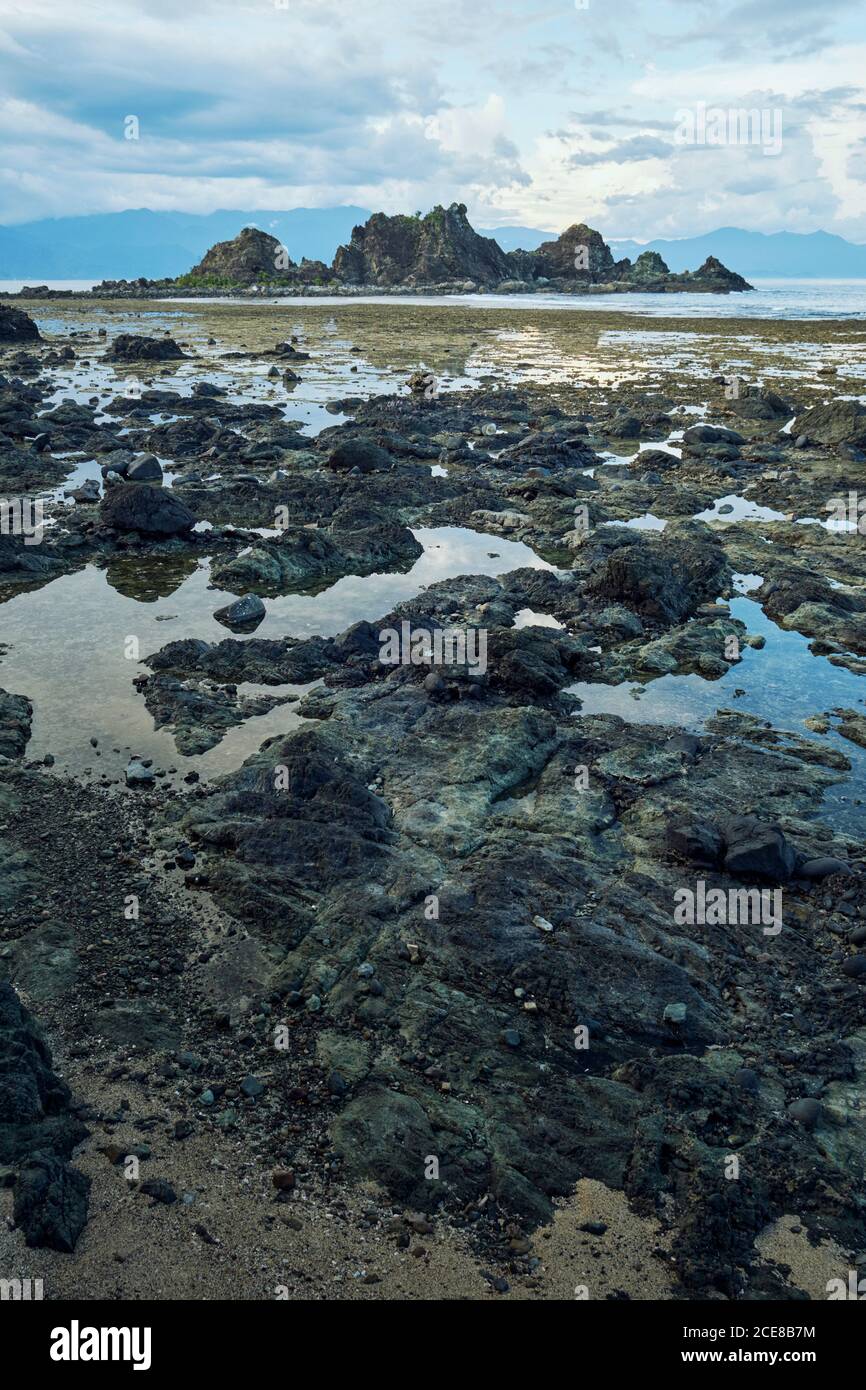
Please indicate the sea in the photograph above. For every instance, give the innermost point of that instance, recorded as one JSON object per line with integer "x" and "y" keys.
{"x": 771, "y": 299}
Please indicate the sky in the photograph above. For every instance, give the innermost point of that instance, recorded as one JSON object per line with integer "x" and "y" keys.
{"x": 531, "y": 112}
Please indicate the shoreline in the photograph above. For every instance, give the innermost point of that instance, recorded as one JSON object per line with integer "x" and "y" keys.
{"x": 303, "y": 906}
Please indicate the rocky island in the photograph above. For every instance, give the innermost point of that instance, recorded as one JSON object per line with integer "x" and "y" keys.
{"x": 439, "y": 253}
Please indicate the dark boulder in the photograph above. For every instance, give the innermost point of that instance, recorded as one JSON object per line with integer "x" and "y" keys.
{"x": 144, "y": 469}
{"x": 753, "y": 849}
{"x": 245, "y": 612}
{"x": 51, "y": 1201}
{"x": 697, "y": 842}
{"x": 711, "y": 434}
{"x": 151, "y": 510}
{"x": 359, "y": 453}
{"x": 16, "y": 326}
{"x": 666, "y": 578}
{"x": 837, "y": 422}
{"x": 38, "y": 1132}
{"x": 16, "y": 715}
{"x": 133, "y": 347}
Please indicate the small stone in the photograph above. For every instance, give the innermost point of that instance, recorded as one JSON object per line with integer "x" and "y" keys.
{"x": 159, "y": 1190}
{"x": 138, "y": 775}
{"x": 806, "y": 1112}
{"x": 244, "y": 612}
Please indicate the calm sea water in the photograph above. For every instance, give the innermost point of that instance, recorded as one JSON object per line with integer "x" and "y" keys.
{"x": 771, "y": 299}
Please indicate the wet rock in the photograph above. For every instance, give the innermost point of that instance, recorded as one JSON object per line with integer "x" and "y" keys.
{"x": 16, "y": 715}
{"x": 711, "y": 434}
{"x": 151, "y": 510}
{"x": 759, "y": 403}
{"x": 134, "y": 347}
{"x": 836, "y": 422}
{"x": 38, "y": 1132}
{"x": 806, "y": 1112}
{"x": 698, "y": 842}
{"x": 361, "y": 454}
{"x": 138, "y": 775}
{"x": 87, "y": 493}
{"x": 161, "y": 1191}
{"x": 823, "y": 867}
{"x": 144, "y": 469}
{"x": 16, "y": 326}
{"x": 753, "y": 849}
{"x": 665, "y": 578}
{"x": 51, "y": 1202}
{"x": 246, "y": 612}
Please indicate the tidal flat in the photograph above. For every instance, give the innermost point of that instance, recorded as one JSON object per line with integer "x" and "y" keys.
{"x": 374, "y": 969}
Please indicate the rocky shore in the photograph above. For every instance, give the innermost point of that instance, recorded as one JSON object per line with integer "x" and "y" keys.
{"x": 414, "y": 972}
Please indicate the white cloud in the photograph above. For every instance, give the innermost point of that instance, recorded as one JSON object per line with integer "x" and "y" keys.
{"x": 399, "y": 104}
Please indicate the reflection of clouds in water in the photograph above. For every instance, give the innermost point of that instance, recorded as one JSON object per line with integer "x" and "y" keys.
{"x": 741, "y": 509}
{"x": 448, "y": 551}
{"x": 782, "y": 682}
{"x": 529, "y": 617}
{"x": 67, "y": 641}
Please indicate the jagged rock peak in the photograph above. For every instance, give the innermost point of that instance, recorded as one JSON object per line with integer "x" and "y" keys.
{"x": 401, "y": 250}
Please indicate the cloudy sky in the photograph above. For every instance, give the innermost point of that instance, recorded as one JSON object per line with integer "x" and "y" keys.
{"x": 538, "y": 112}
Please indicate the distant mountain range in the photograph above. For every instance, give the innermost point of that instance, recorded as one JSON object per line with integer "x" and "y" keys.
{"x": 761, "y": 255}
{"x": 125, "y": 245}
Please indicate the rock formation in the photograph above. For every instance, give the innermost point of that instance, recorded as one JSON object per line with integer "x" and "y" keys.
{"x": 429, "y": 250}
{"x": 439, "y": 252}
{"x": 251, "y": 258}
